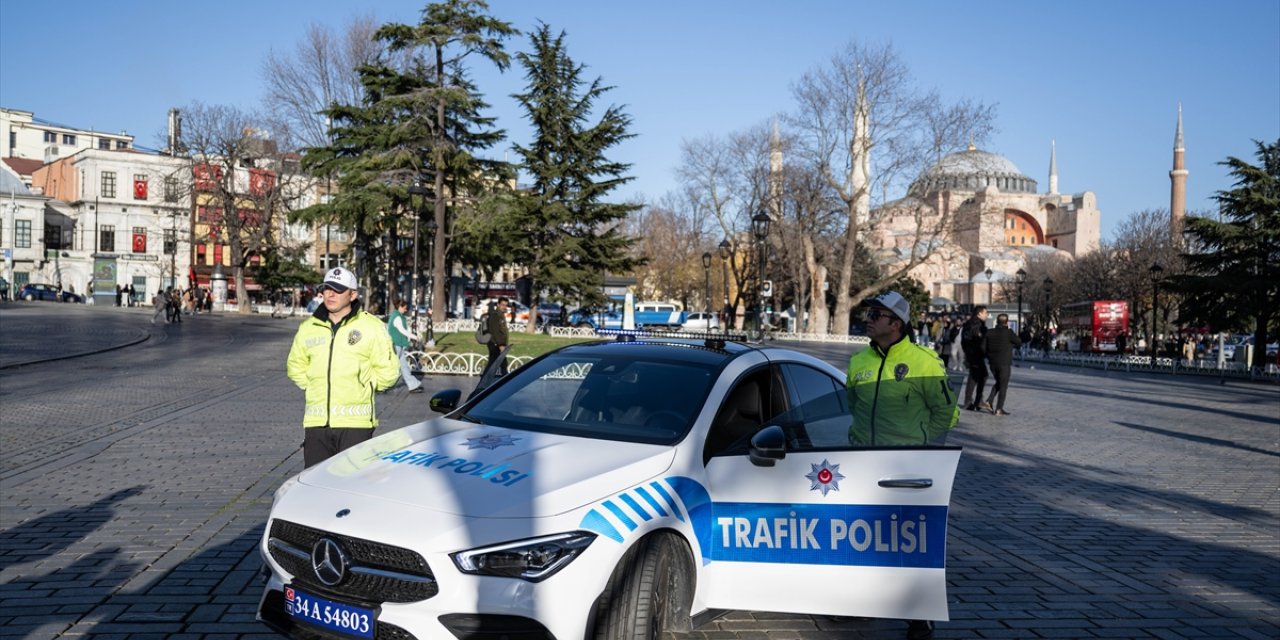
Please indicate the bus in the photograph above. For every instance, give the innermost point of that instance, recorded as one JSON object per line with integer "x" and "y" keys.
{"x": 1094, "y": 326}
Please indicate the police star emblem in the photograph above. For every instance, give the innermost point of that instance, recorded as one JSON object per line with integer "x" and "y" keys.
{"x": 825, "y": 477}
{"x": 490, "y": 442}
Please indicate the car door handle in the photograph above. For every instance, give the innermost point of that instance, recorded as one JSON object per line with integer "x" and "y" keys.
{"x": 907, "y": 483}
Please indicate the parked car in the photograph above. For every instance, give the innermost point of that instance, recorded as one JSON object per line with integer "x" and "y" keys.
{"x": 37, "y": 291}
{"x": 596, "y": 319}
{"x": 701, "y": 321}
{"x": 613, "y": 490}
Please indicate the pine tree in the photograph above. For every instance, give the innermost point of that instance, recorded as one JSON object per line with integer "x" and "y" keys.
{"x": 1233, "y": 275}
{"x": 569, "y": 238}
{"x": 445, "y": 127}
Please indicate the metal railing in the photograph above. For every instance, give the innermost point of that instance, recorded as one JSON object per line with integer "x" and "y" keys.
{"x": 1142, "y": 363}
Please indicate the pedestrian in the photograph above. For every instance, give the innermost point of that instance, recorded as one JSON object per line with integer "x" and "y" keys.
{"x": 496, "y": 321}
{"x": 957, "y": 354}
{"x": 175, "y": 305}
{"x": 973, "y": 342}
{"x": 119, "y": 294}
{"x": 161, "y": 304}
{"x": 942, "y": 343}
{"x": 898, "y": 393}
{"x": 401, "y": 338}
{"x": 341, "y": 355}
{"x": 1024, "y": 336}
{"x": 1000, "y": 344}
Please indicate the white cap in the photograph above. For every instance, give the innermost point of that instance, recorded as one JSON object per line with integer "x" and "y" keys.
{"x": 339, "y": 280}
{"x": 893, "y": 301}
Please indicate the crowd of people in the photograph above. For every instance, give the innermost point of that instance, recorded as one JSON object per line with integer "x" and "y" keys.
{"x": 175, "y": 302}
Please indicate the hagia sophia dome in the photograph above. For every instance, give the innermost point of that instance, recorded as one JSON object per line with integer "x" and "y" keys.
{"x": 973, "y": 170}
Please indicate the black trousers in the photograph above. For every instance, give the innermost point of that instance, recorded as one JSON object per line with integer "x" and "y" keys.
{"x": 1001, "y": 384}
{"x": 321, "y": 443}
{"x": 494, "y": 351}
{"x": 977, "y": 380}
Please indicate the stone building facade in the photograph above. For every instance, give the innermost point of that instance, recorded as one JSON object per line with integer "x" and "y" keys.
{"x": 975, "y": 211}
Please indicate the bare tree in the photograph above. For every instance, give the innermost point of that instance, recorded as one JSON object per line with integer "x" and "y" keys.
{"x": 866, "y": 129}
{"x": 241, "y": 185}
{"x": 321, "y": 71}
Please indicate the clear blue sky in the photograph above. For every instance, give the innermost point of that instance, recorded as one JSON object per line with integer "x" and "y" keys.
{"x": 1102, "y": 77}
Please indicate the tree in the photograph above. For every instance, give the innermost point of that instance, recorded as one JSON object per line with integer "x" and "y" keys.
{"x": 1232, "y": 277}
{"x": 867, "y": 130}
{"x": 570, "y": 238}
{"x": 322, "y": 71}
{"x": 448, "y": 33}
{"x": 243, "y": 185}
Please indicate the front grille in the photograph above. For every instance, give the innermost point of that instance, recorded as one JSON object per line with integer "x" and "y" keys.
{"x": 275, "y": 616}
{"x": 379, "y": 572}
{"x": 486, "y": 626}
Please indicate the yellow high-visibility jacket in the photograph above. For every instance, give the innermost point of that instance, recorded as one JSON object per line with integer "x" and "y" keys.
{"x": 899, "y": 397}
{"x": 341, "y": 368}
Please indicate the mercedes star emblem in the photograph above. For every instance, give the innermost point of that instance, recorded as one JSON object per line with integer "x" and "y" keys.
{"x": 329, "y": 562}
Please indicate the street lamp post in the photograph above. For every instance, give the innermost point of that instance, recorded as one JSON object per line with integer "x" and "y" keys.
{"x": 989, "y": 299}
{"x": 760, "y": 229}
{"x": 430, "y": 228}
{"x": 724, "y": 247}
{"x": 1022, "y": 279}
{"x": 421, "y": 192}
{"x": 1048, "y": 293}
{"x": 1155, "y": 271}
{"x": 706, "y": 283}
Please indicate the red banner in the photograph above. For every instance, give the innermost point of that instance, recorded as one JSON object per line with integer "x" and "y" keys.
{"x": 139, "y": 189}
{"x": 261, "y": 181}
{"x": 140, "y": 242}
{"x": 207, "y": 176}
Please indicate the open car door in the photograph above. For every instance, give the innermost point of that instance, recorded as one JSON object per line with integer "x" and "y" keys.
{"x": 802, "y": 522}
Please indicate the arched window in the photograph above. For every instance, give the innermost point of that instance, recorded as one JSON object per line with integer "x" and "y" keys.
{"x": 1021, "y": 229}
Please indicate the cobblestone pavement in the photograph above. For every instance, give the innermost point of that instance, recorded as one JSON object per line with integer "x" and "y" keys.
{"x": 134, "y": 484}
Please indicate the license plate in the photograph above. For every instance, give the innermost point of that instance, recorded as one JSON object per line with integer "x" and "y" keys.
{"x": 335, "y": 616}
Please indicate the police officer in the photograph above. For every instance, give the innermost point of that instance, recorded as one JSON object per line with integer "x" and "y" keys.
{"x": 341, "y": 356}
{"x": 898, "y": 392}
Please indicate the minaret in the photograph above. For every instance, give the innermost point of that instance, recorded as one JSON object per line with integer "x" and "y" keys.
{"x": 860, "y": 177}
{"x": 1053, "y": 167}
{"x": 1178, "y": 182}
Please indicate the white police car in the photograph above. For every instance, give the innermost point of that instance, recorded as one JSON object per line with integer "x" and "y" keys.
{"x": 613, "y": 490}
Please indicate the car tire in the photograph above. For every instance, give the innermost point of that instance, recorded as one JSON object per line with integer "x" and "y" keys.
{"x": 649, "y": 592}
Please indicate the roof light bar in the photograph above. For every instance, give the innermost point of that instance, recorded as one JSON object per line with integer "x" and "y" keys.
{"x": 715, "y": 339}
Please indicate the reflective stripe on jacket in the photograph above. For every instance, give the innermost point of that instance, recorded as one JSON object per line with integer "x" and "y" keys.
{"x": 901, "y": 397}
{"x": 341, "y": 368}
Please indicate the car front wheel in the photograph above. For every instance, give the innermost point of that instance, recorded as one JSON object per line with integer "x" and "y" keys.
{"x": 649, "y": 592}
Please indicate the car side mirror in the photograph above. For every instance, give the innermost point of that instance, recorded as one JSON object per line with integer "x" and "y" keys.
{"x": 768, "y": 446}
{"x": 446, "y": 400}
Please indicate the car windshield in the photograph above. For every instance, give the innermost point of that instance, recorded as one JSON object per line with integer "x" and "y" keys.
{"x": 593, "y": 395}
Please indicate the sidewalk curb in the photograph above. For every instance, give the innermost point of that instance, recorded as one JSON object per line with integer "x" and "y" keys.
{"x": 142, "y": 336}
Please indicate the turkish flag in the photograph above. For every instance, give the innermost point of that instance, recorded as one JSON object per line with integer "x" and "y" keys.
{"x": 140, "y": 189}
{"x": 140, "y": 242}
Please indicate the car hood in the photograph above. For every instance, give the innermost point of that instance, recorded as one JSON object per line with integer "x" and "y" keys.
{"x": 481, "y": 471}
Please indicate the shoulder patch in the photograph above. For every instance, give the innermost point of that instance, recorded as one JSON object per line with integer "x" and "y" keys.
{"x": 900, "y": 371}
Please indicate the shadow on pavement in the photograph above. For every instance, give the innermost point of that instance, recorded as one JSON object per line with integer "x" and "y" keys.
{"x": 52, "y": 533}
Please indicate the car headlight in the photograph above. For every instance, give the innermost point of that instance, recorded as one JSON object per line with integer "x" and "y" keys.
{"x": 534, "y": 559}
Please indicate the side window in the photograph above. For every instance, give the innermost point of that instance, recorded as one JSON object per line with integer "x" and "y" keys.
{"x": 756, "y": 398}
{"x": 821, "y": 411}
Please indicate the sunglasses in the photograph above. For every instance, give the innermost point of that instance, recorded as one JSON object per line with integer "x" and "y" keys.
{"x": 876, "y": 314}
